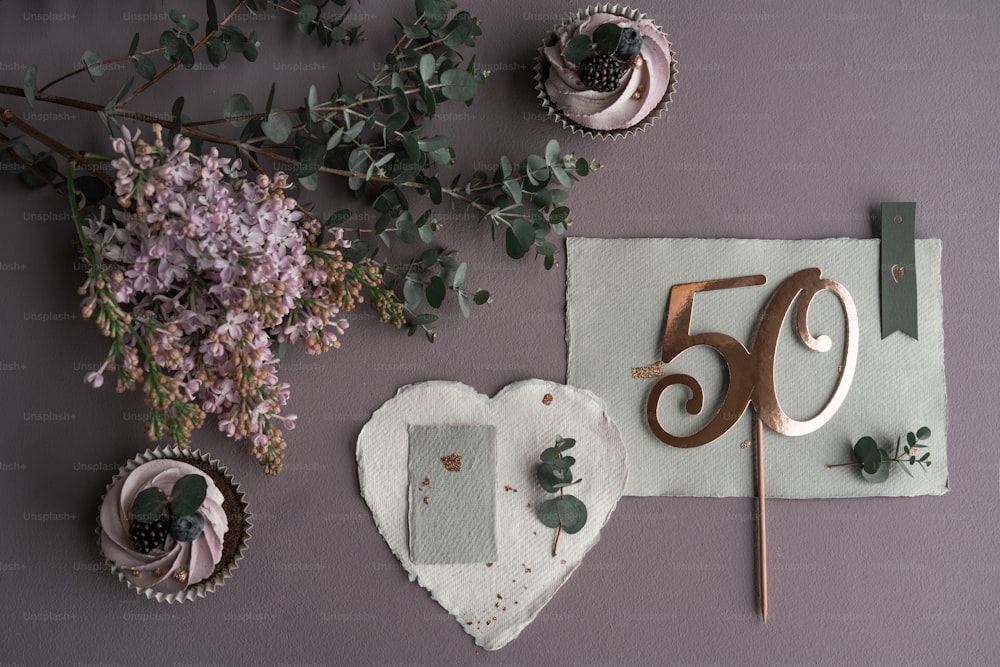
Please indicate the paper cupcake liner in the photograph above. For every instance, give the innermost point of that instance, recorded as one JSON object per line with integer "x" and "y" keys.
{"x": 542, "y": 71}
{"x": 202, "y": 588}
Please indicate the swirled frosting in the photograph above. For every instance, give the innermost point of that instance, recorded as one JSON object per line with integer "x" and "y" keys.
{"x": 618, "y": 109}
{"x": 178, "y": 564}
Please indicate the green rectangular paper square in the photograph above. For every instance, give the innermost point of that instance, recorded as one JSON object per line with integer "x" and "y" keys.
{"x": 899, "y": 383}
{"x": 452, "y": 478}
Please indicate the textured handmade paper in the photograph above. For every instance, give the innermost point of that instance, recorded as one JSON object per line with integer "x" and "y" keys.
{"x": 493, "y": 600}
{"x": 617, "y": 293}
{"x": 452, "y": 479}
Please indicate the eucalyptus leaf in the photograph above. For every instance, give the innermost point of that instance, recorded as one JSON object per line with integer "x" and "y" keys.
{"x": 434, "y": 12}
{"x": 149, "y": 505}
{"x": 550, "y": 454}
{"x": 436, "y": 291}
{"x": 31, "y": 84}
{"x": 867, "y": 451}
{"x": 188, "y": 494}
{"x": 216, "y": 51}
{"x": 212, "y": 24}
{"x": 90, "y": 60}
{"x": 520, "y": 236}
{"x": 458, "y": 85}
{"x": 143, "y": 66}
{"x": 536, "y": 169}
{"x": 307, "y": 18}
{"x": 406, "y": 229}
{"x": 427, "y": 67}
{"x": 877, "y": 477}
{"x": 923, "y": 433}
{"x": 133, "y": 45}
{"x": 235, "y": 108}
{"x": 578, "y": 49}
{"x": 552, "y": 151}
{"x": 562, "y": 444}
{"x": 551, "y": 476}
{"x": 459, "y": 281}
{"x": 568, "y": 511}
{"x": 183, "y": 22}
{"x": 413, "y": 294}
{"x": 606, "y": 38}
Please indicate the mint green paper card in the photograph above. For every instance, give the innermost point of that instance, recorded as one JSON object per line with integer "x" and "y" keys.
{"x": 617, "y": 294}
{"x": 452, "y": 479}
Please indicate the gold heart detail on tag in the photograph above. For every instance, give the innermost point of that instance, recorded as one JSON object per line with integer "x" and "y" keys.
{"x": 898, "y": 272}
{"x": 494, "y": 601}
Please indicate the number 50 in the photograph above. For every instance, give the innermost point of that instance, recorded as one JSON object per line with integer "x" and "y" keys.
{"x": 751, "y": 372}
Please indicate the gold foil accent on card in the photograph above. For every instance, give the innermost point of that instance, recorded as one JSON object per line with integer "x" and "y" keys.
{"x": 452, "y": 462}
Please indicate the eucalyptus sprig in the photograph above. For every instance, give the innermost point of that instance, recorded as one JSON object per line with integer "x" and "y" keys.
{"x": 605, "y": 41}
{"x": 872, "y": 459}
{"x": 567, "y": 512}
{"x": 185, "y": 498}
{"x": 375, "y": 139}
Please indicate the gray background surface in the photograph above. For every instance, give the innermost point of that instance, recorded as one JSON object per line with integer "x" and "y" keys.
{"x": 791, "y": 120}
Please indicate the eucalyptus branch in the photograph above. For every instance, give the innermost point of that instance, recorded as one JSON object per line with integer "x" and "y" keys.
{"x": 872, "y": 459}
{"x": 173, "y": 65}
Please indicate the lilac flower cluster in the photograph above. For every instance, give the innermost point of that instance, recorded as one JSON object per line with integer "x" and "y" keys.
{"x": 198, "y": 276}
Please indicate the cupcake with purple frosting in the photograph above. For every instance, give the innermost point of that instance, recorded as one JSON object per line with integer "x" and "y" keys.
{"x": 608, "y": 71}
{"x": 173, "y": 525}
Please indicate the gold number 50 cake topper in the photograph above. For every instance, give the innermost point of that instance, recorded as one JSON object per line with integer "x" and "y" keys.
{"x": 751, "y": 372}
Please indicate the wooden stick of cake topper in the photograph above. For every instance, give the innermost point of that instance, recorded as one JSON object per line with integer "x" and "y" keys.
{"x": 751, "y": 372}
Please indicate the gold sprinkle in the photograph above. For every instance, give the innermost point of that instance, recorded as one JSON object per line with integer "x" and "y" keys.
{"x": 547, "y": 399}
{"x": 468, "y": 622}
{"x": 636, "y": 61}
{"x": 427, "y": 500}
{"x": 180, "y": 574}
{"x": 745, "y": 444}
{"x": 452, "y": 462}
{"x": 489, "y": 565}
{"x": 158, "y": 572}
{"x": 136, "y": 573}
{"x": 637, "y": 95}
{"x": 562, "y": 562}
{"x": 508, "y": 487}
{"x": 648, "y": 372}
{"x": 499, "y": 597}
{"x": 426, "y": 482}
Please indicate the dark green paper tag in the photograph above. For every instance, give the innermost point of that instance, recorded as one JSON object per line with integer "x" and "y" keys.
{"x": 898, "y": 269}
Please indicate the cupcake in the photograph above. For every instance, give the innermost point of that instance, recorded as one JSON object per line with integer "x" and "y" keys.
{"x": 608, "y": 71}
{"x": 173, "y": 525}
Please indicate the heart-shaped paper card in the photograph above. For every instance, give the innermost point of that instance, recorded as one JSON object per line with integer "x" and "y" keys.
{"x": 450, "y": 477}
